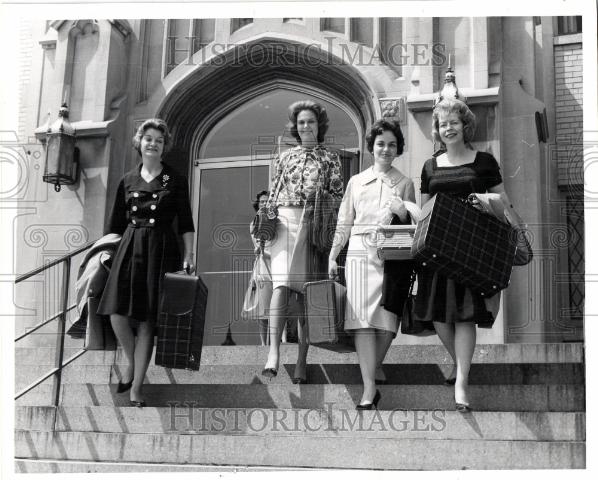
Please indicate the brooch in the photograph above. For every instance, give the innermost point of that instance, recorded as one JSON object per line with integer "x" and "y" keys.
{"x": 165, "y": 179}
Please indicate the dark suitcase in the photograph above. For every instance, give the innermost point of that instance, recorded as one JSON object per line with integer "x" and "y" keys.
{"x": 460, "y": 242}
{"x": 325, "y": 311}
{"x": 181, "y": 320}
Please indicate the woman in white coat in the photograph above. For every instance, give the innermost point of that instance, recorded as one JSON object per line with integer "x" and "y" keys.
{"x": 370, "y": 198}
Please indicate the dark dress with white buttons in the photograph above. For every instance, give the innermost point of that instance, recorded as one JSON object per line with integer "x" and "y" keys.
{"x": 144, "y": 213}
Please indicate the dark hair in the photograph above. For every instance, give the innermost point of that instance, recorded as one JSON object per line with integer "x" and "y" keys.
{"x": 156, "y": 123}
{"x": 465, "y": 115}
{"x": 381, "y": 126}
{"x": 319, "y": 112}
{"x": 256, "y": 202}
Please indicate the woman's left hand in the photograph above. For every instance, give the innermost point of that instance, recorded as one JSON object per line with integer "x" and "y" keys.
{"x": 396, "y": 206}
{"x": 188, "y": 263}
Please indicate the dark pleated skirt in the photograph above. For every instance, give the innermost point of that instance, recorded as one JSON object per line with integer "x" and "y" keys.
{"x": 134, "y": 284}
{"x": 441, "y": 299}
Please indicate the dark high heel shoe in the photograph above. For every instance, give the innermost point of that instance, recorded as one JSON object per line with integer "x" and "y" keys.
{"x": 124, "y": 387}
{"x": 373, "y": 404}
{"x": 269, "y": 372}
{"x": 451, "y": 380}
{"x": 462, "y": 407}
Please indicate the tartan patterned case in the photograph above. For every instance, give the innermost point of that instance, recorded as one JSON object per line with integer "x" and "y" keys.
{"x": 325, "y": 310}
{"x": 181, "y": 320}
{"x": 460, "y": 242}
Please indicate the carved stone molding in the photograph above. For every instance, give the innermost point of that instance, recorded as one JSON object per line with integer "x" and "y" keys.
{"x": 55, "y": 239}
{"x": 394, "y": 108}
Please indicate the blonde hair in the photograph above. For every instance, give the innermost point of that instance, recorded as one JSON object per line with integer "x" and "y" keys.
{"x": 465, "y": 115}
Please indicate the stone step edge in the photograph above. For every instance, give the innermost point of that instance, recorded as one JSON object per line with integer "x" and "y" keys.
{"x": 344, "y": 452}
{"x": 396, "y": 423}
{"x": 159, "y": 466}
{"x": 485, "y": 353}
{"x": 315, "y": 436}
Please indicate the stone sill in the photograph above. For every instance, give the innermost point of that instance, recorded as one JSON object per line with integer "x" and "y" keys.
{"x": 568, "y": 39}
{"x": 424, "y": 102}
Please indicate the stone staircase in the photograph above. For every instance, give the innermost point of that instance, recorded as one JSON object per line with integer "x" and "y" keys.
{"x": 529, "y": 402}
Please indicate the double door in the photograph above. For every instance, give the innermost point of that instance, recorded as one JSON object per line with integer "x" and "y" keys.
{"x": 223, "y": 192}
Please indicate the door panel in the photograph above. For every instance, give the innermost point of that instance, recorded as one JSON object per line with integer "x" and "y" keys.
{"x": 225, "y": 250}
{"x": 225, "y": 256}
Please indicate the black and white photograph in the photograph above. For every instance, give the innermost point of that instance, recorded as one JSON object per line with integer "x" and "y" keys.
{"x": 242, "y": 242}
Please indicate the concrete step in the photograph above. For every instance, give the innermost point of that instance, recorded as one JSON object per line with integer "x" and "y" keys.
{"x": 403, "y": 424}
{"x": 59, "y": 466}
{"x": 400, "y": 374}
{"x": 328, "y": 451}
{"x": 399, "y": 354}
{"x": 507, "y": 398}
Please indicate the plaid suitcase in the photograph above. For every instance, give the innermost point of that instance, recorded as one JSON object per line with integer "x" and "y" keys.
{"x": 325, "y": 311}
{"x": 181, "y": 321}
{"x": 460, "y": 242}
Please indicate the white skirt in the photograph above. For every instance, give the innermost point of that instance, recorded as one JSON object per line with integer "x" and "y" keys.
{"x": 364, "y": 273}
{"x": 289, "y": 250}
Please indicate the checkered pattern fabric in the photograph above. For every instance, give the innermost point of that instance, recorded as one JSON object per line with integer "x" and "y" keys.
{"x": 462, "y": 243}
{"x": 325, "y": 310}
{"x": 181, "y": 321}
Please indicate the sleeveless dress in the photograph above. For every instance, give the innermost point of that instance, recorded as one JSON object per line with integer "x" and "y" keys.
{"x": 439, "y": 298}
{"x": 143, "y": 213}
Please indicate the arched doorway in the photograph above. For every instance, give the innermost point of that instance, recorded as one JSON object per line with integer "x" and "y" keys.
{"x": 223, "y": 97}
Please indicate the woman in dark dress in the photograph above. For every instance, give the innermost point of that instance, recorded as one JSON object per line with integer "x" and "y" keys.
{"x": 148, "y": 200}
{"x": 455, "y": 309}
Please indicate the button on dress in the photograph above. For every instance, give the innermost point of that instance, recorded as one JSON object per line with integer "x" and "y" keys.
{"x": 144, "y": 214}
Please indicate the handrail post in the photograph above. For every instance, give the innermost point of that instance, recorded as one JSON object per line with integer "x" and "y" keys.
{"x": 59, "y": 355}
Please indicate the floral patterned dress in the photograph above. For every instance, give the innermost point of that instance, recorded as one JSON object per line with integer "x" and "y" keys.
{"x": 296, "y": 175}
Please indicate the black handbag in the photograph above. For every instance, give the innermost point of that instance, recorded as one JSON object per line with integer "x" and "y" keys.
{"x": 264, "y": 224}
{"x": 409, "y": 324}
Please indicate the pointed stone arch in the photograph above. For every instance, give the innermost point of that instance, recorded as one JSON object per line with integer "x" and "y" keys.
{"x": 206, "y": 96}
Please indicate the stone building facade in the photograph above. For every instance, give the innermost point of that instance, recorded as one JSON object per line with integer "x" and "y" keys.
{"x": 223, "y": 86}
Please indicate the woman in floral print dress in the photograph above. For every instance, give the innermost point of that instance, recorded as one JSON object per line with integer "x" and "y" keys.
{"x": 296, "y": 175}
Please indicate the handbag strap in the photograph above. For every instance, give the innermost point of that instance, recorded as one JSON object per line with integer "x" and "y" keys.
{"x": 412, "y": 283}
{"x": 278, "y": 186}
{"x": 261, "y": 254}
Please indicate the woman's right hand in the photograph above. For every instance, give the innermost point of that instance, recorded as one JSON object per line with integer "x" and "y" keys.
{"x": 332, "y": 268}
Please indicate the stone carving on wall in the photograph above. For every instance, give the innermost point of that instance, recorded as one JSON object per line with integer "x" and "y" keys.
{"x": 393, "y": 109}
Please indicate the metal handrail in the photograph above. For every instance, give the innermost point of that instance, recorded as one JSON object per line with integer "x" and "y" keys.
{"x": 56, "y": 372}
{"x": 53, "y": 263}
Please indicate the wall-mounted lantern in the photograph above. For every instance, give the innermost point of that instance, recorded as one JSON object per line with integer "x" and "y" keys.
{"x": 62, "y": 157}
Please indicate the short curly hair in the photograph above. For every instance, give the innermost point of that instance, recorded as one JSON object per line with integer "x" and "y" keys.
{"x": 466, "y": 116}
{"x": 156, "y": 123}
{"x": 256, "y": 202}
{"x": 381, "y": 126}
{"x": 319, "y": 111}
